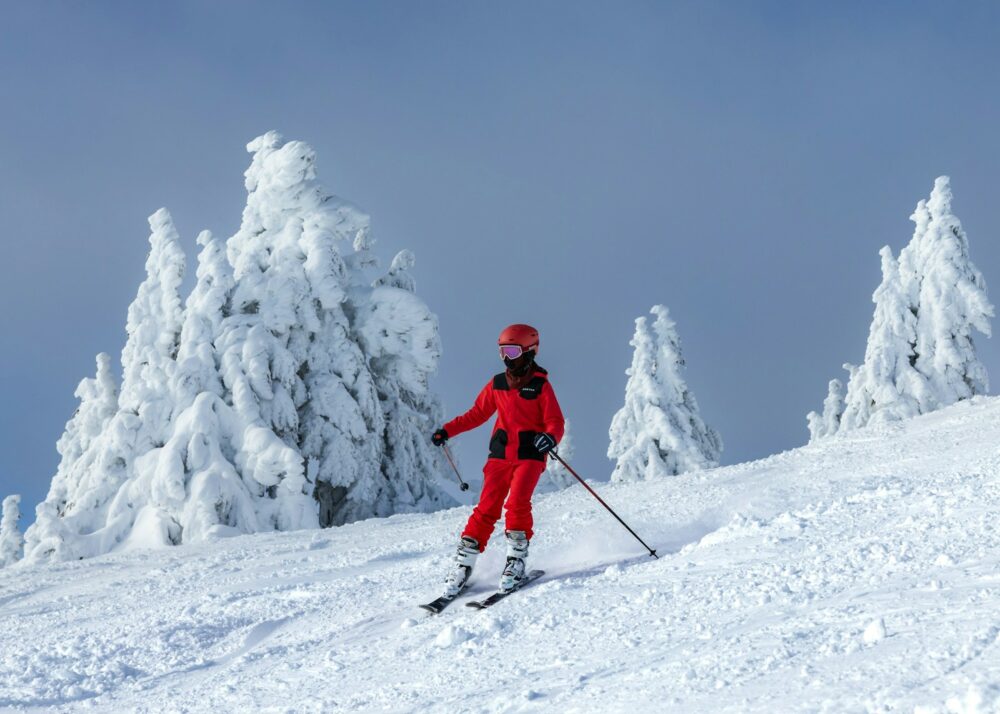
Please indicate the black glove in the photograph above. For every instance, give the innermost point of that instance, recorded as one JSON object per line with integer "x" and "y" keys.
{"x": 545, "y": 443}
{"x": 439, "y": 437}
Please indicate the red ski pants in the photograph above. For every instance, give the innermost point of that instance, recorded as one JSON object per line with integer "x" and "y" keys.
{"x": 513, "y": 480}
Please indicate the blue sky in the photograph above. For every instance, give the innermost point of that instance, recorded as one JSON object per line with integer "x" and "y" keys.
{"x": 563, "y": 164}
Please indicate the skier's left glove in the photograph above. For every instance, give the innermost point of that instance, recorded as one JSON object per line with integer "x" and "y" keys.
{"x": 545, "y": 443}
{"x": 439, "y": 437}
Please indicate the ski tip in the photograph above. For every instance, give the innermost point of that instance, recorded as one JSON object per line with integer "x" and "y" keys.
{"x": 431, "y": 609}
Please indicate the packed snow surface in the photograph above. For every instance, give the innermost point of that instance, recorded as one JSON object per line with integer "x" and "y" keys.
{"x": 860, "y": 573}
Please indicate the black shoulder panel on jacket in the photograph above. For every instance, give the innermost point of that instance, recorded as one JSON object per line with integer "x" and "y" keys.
{"x": 500, "y": 382}
{"x": 533, "y": 388}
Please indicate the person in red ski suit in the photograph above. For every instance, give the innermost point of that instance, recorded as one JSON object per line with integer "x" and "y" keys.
{"x": 529, "y": 424}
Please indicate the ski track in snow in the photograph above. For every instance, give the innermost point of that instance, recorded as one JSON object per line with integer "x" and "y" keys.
{"x": 856, "y": 574}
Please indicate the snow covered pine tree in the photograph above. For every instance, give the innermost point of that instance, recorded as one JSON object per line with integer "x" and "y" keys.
{"x": 11, "y": 542}
{"x": 659, "y": 431}
{"x": 920, "y": 354}
{"x": 827, "y": 423}
{"x": 950, "y": 297}
{"x": 85, "y": 467}
{"x": 399, "y": 335}
{"x": 188, "y": 489}
{"x": 316, "y": 355}
{"x": 887, "y": 387}
{"x": 87, "y": 511}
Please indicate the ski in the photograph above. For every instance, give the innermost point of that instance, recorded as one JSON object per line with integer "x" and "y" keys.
{"x": 498, "y": 596}
{"x": 436, "y": 606}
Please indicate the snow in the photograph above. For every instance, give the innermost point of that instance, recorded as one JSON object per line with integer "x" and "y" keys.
{"x": 860, "y": 573}
{"x": 875, "y": 632}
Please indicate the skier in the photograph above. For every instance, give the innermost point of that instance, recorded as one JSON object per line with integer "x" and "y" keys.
{"x": 529, "y": 424}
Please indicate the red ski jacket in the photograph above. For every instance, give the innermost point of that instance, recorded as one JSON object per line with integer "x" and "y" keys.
{"x": 521, "y": 415}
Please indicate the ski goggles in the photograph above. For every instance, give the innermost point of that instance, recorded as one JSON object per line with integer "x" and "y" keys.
{"x": 511, "y": 351}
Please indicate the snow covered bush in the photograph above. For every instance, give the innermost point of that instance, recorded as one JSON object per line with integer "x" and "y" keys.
{"x": 659, "y": 431}
{"x": 920, "y": 354}
{"x": 287, "y": 378}
{"x": 827, "y": 423}
{"x": 11, "y": 541}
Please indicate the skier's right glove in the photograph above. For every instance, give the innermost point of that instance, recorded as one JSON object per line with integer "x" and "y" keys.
{"x": 545, "y": 443}
{"x": 439, "y": 437}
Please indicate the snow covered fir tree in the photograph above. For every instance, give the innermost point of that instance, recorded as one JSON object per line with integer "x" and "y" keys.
{"x": 821, "y": 425}
{"x": 659, "y": 431}
{"x": 11, "y": 541}
{"x": 289, "y": 390}
{"x": 920, "y": 354}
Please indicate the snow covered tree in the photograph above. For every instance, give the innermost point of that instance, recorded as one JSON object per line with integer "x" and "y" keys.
{"x": 11, "y": 542}
{"x": 154, "y": 325}
{"x": 920, "y": 354}
{"x": 205, "y": 309}
{"x": 659, "y": 431}
{"x": 98, "y": 404}
{"x": 94, "y": 449}
{"x": 399, "y": 336}
{"x": 556, "y": 477}
{"x": 352, "y": 391}
{"x": 827, "y": 423}
{"x": 288, "y": 356}
{"x": 189, "y": 489}
{"x": 949, "y": 293}
{"x": 887, "y": 386}
{"x": 86, "y": 512}
{"x": 103, "y": 515}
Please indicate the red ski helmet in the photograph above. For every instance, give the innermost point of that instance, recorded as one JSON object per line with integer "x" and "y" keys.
{"x": 525, "y": 336}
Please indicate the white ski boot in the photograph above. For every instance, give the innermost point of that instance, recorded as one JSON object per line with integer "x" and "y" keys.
{"x": 517, "y": 554}
{"x": 465, "y": 558}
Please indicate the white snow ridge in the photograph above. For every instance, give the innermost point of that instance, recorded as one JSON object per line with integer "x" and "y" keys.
{"x": 856, "y": 574}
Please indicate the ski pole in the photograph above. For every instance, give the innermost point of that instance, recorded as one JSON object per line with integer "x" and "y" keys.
{"x": 601, "y": 500}
{"x": 462, "y": 484}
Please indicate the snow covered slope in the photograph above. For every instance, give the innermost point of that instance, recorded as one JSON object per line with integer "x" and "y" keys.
{"x": 856, "y": 574}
